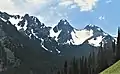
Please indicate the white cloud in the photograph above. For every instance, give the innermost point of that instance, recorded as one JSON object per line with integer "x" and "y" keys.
{"x": 37, "y": 1}
{"x": 84, "y": 5}
{"x": 73, "y": 6}
{"x": 108, "y": 1}
{"x": 50, "y": 11}
{"x": 101, "y": 18}
{"x": 66, "y": 2}
{"x": 8, "y": 6}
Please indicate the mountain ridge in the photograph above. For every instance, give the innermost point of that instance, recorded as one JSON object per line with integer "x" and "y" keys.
{"x": 63, "y": 31}
{"x": 38, "y": 46}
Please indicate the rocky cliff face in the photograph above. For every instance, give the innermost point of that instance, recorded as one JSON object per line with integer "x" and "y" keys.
{"x": 27, "y": 43}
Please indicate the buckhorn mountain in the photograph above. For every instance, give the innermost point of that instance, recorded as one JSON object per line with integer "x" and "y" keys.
{"x": 27, "y": 43}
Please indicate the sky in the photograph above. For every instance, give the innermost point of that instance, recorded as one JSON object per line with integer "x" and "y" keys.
{"x": 79, "y": 13}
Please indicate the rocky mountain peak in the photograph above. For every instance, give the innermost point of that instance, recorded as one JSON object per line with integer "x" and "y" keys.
{"x": 93, "y": 27}
{"x": 63, "y": 25}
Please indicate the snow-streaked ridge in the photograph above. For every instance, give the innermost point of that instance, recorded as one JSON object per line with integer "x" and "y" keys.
{"x": 3, "y": 19}
{"x": 43, "y": 45}
{"x": 34, "y": 33}
{"x": 58, "y": 51}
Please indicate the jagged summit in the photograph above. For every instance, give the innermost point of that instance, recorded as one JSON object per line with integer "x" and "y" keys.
{"x": 62, "y": 33}
{"x": 63, "y": 25}
{"x": 93, "y": 27}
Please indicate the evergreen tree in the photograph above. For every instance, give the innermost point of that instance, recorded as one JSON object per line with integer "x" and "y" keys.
{"x": 113, "y": 46}
{"x": 99, "y": 58}
{"x": 65, "y": 68}
{"x": 89, "y": 64}
{"x": 81, "y": 65}
{"x": 58, "y": 72}
{"x": 69, "y": 70}
{"x": 85, "y": 66}
{"x": 75, "y": 66}
{"x": 118, "y": 46}
{"x": 93, "y": 63}
{"x": 113, "y": 52}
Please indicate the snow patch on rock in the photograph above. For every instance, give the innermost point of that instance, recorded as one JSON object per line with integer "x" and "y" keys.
{"x": 14, "y": 21}
{"x": 95, "y": 42}
{"x": 53, "y": 34}
{"x": 58, "y": 51}
{"x": 80, "y": 36}
{"x": 3, "y": 19}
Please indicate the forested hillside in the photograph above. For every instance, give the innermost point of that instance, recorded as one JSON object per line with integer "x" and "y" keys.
{"x": 95, "y": 62}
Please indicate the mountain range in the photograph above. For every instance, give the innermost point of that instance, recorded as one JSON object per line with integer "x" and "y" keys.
{"x": 28, "y": 44}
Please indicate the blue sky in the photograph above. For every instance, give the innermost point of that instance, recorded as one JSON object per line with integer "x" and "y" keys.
{"x": 104, "y": 13}
{"x": 109, "y": 11}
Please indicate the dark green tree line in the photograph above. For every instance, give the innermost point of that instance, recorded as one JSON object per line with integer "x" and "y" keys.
{"x": 94, "y": 63}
